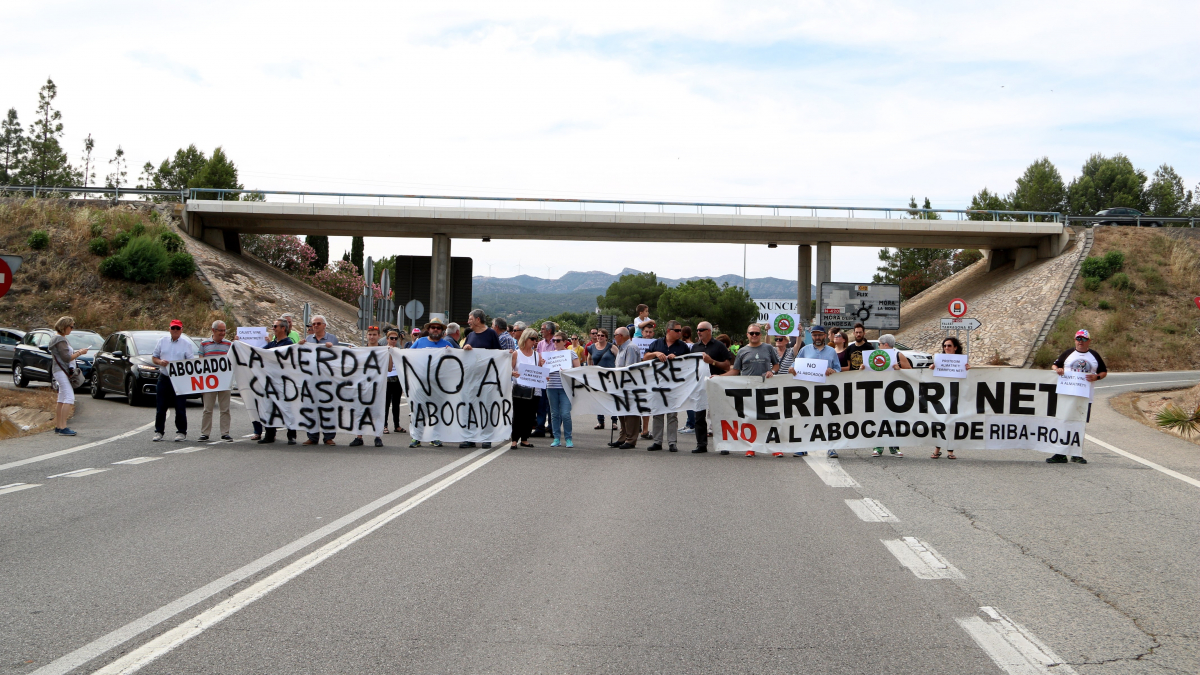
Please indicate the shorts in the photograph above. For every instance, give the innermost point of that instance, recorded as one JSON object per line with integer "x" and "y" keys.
{"x": 66, "y": 393}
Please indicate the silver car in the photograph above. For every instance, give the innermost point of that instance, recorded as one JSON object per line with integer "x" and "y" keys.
{"x": 9, "y": 339}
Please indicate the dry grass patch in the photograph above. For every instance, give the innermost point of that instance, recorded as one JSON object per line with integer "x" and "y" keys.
{"x": 1144, "y": 407}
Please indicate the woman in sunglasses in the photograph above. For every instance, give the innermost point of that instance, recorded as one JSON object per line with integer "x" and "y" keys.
{"x": 393, "y": 387}
{"x": 560, "y": 404}
{"x": 950, "y": 345}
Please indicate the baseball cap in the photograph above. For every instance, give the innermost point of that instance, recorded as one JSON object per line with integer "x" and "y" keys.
{"x": 1082, "y": 333}
{"x": 416, "y": 331}
{"x": 818, "y": 328}
{"x": 176, "y": 323}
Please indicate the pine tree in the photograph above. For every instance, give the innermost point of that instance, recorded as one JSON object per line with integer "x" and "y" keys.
{"x": 47, "y": 162}
{"x": 89, "y": 170}
{"x": 116, "y": 178}
{"x": 356, "y": 253}
{"x": 219, "y": 172}
{"x": 320, "y": 244}
{"x": 13, "y": 146}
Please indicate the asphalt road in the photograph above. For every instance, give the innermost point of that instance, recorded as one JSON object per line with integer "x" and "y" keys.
{"x": 240, "y": 558}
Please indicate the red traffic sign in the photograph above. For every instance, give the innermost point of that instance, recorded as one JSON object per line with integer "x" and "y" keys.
{"x": 6, "y": 276}
{"x": 1197, "y": 299}
{"x": 957, "y": 307}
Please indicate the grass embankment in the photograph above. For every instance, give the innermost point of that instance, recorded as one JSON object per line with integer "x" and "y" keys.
{"x": 61, "y": 275}
{"x": 1135, "y": 297}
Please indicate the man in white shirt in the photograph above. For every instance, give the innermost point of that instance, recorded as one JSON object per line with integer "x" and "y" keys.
{"x": 173, "y": 347}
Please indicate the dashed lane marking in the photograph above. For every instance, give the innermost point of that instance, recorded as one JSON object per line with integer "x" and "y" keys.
{"x": 920, "y": 558}
{"x": 85, "y": 446}
{"x": 1011, "y": 646}
{"x": 77, "y": 473}
{"x": 16, "y": 487}
{"x": 1152, "y": 465}
{"x": 183, "y": 451}
{"x": 871, "y": 511}
{"x": 830, "y": 471}
{"x": 138, "y": 460}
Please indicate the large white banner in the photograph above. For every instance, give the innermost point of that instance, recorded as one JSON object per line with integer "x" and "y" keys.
{"x": 646, "y": 388}
{"x": 1001, "y": 408}
{"x": 314, "y": 389}
{"x": 199, "y": 376}
{"x": 457, "y": 395}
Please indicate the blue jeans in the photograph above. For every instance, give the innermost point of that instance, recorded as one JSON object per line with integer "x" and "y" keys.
{"x": 540, "y": 420}
{"x": 691, "y": 420}
{"x": 560, "y": 413}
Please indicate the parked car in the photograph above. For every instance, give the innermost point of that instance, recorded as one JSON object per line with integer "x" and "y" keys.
{"x": 9, "y": 339}
{"x": 124, "y": 365}
{"x": 919, "y": 359}
{"x": 31, "y": 358}
{"x": 1126, "y": 215}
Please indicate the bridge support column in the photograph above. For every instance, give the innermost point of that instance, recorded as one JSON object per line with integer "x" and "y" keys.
{"x": 439, "y": 282}
{"x": 804, "y": 285}
{"x": 824, "y": 270}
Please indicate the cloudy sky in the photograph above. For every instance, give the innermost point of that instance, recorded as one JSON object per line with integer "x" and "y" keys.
{"x": 838, "y": 103}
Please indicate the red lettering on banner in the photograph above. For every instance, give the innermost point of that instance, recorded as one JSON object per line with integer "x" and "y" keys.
{"x": 211, "y": 382}
{"x": 749, "y": 437}
{"x": 197, "y": 383}
{"x": 727, "y": 429}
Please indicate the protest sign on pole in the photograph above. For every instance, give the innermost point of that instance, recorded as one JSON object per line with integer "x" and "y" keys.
{"x": 457, "y": 395}
{"x": 810, "y": 370}
{"x": 647, "y": 388}
{"x": 880, "y": 359}
{"x": 255, "y": 336}
{"x": 558, "y": 360}
{"x": 1071, "y": 383}
{"x": 992, "y": 409}
{"x": 533, "y": 376}
{"x": 950, "y": 365}
{"x": 313, "y": 388}
{"x": 199, "y": 376}
{"x": 784, "y": 323}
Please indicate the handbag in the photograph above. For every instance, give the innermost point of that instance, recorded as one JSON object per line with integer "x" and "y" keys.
{"x": 521, "y": 391}
{"x": 76, "y": 377}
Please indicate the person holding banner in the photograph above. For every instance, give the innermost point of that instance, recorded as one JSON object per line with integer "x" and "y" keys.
{"x": 887, "y": 342}
{"x": 755, "y": 359}
{"x": 560, "y": 403}
{"x": 217, "y": 346}
{"x": 433, "y": 340}
{"x": 525, "y": 399}
{"x": 627, "y": 355}
{"x": 817, "y": 351}
{"x": 292, "y": 333}
{"x": 664, "y": 349}
{"x": 600, "y": 352}
{"x": 281, "y": 337}
{"x": 718, "y": 358}
{"x": 647, "y": 328}
{"x": 1082, "y": 359}
{"x": 372, "y": 341}
{"x": 320, "y": 335}
{"x": 541, "y": 424}
{"x": 393, "y": 386}
{"x": 173, "y": 347}
{"x": 480, "y": 337}
{"x": 950, "y": 345}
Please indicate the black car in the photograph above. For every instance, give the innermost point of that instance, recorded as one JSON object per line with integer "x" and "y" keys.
{"x": 124, "y": 365}
{"x": 31, "y": 358}
{"x": 1127, "y": 216}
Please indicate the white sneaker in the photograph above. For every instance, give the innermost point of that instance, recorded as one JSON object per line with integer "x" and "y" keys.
{"x": 180, "y": 437}
{"x": 157, "y": 437}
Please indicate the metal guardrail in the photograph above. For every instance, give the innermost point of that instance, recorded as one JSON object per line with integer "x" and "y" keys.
{"x": 1136, "y": 221}
{"x": 115, "y": 192}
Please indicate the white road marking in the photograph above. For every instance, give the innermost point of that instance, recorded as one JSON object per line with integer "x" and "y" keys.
{"x": 1152, "y": 465}
{"x": 77, "y": 473}
{"x": 183, "y": 451}
{"x": 60, "y": 453}
{"x": 16, "y": 487}
{"x": 142, "y": 656}
{"x": 871, "y": 511}
{"x": 920, "y": 558}
{"x": 830, "y": 471}
{"x": 249, "y": 435}
{"x": 1011, "y": 646}
{"x": 238, "y": 400}
{"x": 99, "y": 646}
{"x": 138, "y": 460}
{"x": 1138, "y": 384}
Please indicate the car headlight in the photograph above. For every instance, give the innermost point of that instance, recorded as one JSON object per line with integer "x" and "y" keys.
{"x": 148, "y": 370}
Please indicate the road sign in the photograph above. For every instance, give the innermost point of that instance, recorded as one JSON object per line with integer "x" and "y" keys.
{"x": 877, "y": 306}
{"x": 960, "y": 324}
{"x": 307, "y": 316}
{"x": 1197, "y": 299}
{"x": 6, "y": 277}
{"x": 957, "y": 307}
{"x": 414, "y": 309}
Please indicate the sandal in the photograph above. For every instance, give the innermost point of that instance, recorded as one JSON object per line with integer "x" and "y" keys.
{"x": 599, "y": 426}
{"x": 513, "y": 446}
{"x": 528, "y": 445}
{"x": 937, "y": 452}
{"x": 385, "y": 429}
{"x": 950, "y": 454}
{"x": 401, "y": 430}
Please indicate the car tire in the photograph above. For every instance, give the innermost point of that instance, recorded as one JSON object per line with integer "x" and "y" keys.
{"x": 131, "y": 392}
{"x": 97, "y": 392}
{"x": 19, "y": 378}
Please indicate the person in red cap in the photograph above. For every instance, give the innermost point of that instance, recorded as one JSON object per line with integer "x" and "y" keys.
{"x": 173, "y": 347}
{"x": 1081, "y": 359}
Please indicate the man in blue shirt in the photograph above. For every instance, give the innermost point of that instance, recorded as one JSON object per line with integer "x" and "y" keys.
{"x": 480, "y": 337}
{"x": 432, "y": 341}
{"x": 817, "y": 351}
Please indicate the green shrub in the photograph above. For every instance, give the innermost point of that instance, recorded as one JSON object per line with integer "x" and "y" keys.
{"x": 171, "y": 241}
{"x": 97, "y": 229}
{"x": 1103, "y": 268}
{"x": 138, "y": 229}
{"x": 1121, "y": 282}
{"x": 1114, "y": 260}
{"x": 113, "y": 267}
{"x": 120, "y": 239}
{"x": 98, "y": 246}
{"x": 38, "y": 240}
{"x": 145, "y": 260}
{"x": 1104, "y": 304}
{"x": 182, "y": 264}
{"x": 1091, "y": 283}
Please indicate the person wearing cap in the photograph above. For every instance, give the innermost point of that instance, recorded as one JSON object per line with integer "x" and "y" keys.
{"x": 1080, "y": 359}
{"x": 433, "y": 340}
{"x": 818, "y": 351}
{"x": 173, "y": 347}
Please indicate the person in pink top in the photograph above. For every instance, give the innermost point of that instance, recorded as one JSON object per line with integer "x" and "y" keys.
{"x": 541, "y": 425}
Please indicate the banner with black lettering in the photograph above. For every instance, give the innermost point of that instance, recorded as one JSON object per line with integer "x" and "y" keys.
{"x": 457, "y": 395}
{"x": 200, "y": 376}
{"x": 645, "y": 388}
{"x": 992, "y": 408}
{"x": 314, "y": 388}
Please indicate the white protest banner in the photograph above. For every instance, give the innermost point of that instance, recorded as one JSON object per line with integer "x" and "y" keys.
{"x": 255, "y": 337}
{"x": 197, "y": 376}
{"x": 950, "y": 365}
{"x": 784, "y": 323}
{"x": 642, "y": 345}
{"x": 879, "y": 359}
{"x": 810, "y": 370}
{"x": 647, "y": 388}
{"x": 990, "y": 409}
{"x": 1071, "y": 383}
{"x": 558, "y": 360}
{"x": 313, "y": 388}
{"x": 530, "y": 375}
{"x": 457, "y": 395}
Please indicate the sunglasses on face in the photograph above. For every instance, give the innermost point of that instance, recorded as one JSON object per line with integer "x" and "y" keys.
{"x": 703, "y": 330}
{"x": 1081, "y": 339}
{"x": 176, "y": 328}
{"x": 558, "y": 339}
{"x": 753, "y": 333}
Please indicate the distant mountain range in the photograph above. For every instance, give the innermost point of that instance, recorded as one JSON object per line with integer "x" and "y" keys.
{"x": 573, "y": 282}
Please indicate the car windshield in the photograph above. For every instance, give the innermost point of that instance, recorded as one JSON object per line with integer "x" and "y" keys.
{"x": 81, "y": 339}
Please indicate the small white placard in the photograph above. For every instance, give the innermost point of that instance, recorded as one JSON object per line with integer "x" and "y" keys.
{"x": 253, "y": 336}
{"x": 558, "y": 360}
{"x": 1071, "y": 383}
{"x": 810, "y": 370}
{"x": 529, "y": 375}
{"x": 950, "y": 365}
{"x": 642, "y": 345}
